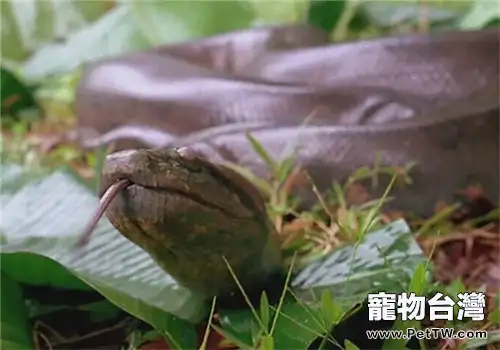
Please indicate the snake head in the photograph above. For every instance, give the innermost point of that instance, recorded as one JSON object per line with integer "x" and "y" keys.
{"x": 188, "y": 214}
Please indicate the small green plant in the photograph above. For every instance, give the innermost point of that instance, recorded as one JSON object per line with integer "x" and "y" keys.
{"x": 343, "y": 222}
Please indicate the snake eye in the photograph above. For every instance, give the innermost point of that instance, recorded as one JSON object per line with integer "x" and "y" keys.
{"x": 189, "y": 153}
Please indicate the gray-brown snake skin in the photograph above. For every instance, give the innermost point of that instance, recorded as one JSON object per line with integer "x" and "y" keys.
{"x": 432, "y": 99}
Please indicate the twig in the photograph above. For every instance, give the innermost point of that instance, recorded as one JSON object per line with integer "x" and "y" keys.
{"x": 92, "y": 334}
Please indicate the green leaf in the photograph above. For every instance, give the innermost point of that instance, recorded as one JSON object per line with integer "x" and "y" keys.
{"x": 133, "y": 25}
{"x": 18, "y": 101}
{"x": 276, "y": 12}
{"x": 264, "y": 310}
{"x": 420, "y": 279}
{"x": 27, "y": 25}
{"x": 98, "y": 164}
{"x": 46, "y": 217}
{"x": 238, "y": 323}
{"x": 235, "y": 339}
{"x": 11, "y": 39}
{"x": 100, "y": 310}
{"x": 16, "y": 330}
{"x": 359, "y": 174}
{"x": 384, "y": 259}
{"x": 454, "y": 288}
{"x": 32, "y": 269}
{"x": 262, "y": 153}
{"x": 174, "y": 21}
{"x": 482, "y": 13}
{"x": 285, "y": 168}
{"x": 395, "y": 343}
{"x": 261, "y": 184}
{"x": 325, "y": 14}
{"x": 114, "y": 33}
{"x": 13, "y": 177}
{"x": 349, "y": 345}
{"x": 180, "y": 335}
{"x": 494, "y": 22}
{"x": 332, "y": 311}
{"x": 297, "y": 325}
{"x": 267, "y": 343}
{"x": 391, "y": 13}
{"x": 339, "y": 195}
{"x": 494, "y": 317}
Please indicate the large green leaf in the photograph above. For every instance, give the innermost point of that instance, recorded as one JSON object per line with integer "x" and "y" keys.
{"x": 29, "y": 24}
{"x": 16, "y": 330}
{"x": 482, "y": 13}
{"x": 32, "y": 269}
{"x": 384, "y": 259}
{"x": 46, "y": 217}
{"x": 114, "y": 33}
{"x": 325, "y": 14}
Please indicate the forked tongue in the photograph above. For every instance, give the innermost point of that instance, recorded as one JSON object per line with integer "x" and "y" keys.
{"x": 104, "y": 203}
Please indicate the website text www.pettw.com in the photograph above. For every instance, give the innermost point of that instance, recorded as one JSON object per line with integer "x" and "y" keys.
{"x": 428, "y": 333}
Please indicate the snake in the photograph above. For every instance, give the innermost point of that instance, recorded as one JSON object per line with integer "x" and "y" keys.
{"x": 178, "y": 113}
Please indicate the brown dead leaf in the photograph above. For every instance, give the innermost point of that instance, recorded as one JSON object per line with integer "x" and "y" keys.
{"x": 441, "y": 206}
{"x": 295, "y": 229}
{"x": 472, "y": 255}
{"x": 474, "y": 263}
{"x": 392, "y": 215}
{"x": 297, "y": 178}
{"x": 357, "y": 194}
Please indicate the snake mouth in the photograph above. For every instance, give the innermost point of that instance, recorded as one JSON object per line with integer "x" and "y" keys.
{"x": 119, "y": 185}
{"x": 194, "y": 197}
